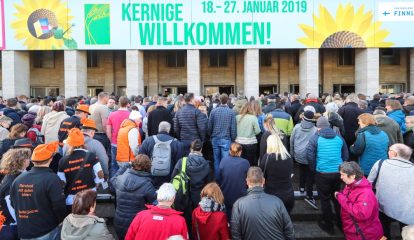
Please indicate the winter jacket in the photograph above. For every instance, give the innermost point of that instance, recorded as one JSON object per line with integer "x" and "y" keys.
{"x": 337, "y": 123}
{"x": 326, "y": 151}
{"x": 371, "y": 145}
{"x": 46, "y": 197}
{"x": 407, "y": 109}
{"x": 233, "y": 172}
{"x": 198, "y": 170}
{"x": 278, "y": 175}
{"x": 147, "y": 148}
{"x": 294, "y": 108}
{"x": 373, "y": 104}
{"x": 394, "y": 188}
{"x": 133, "y": 190}
{"x": 390, "y": 127}
{"x": 299, "y": 139}
{"x": 13, "y": 114}
{"x": 157, "y": 223}
{"x": 4, "y": 192}
{"x": 190, "y": 124}
{"x": 85, "y": 227}
{"x": 5, "y": 145}
{"x": 399, "y": 117}
{"x": 359, "y": 204}
{"x": 269, "y": 107}
{"x": 260, "y": 216}
{"x": 155, "y": 117}
{"x": 70, "y": 111}
{"x": 349, "y": 113}
{"x": 283, "y": 121}
{"x": 409, "y": 141}
{"x": 50, "y": 125}
{"x": 209, "y": 225}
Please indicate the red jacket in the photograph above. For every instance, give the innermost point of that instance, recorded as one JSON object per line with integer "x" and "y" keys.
{"x": 211, "y": 225}
{"x": 359, "y": 201}
{"x": 157, "y": 224}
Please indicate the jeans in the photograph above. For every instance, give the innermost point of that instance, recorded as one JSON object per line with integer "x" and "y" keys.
{"x": 220, "y": 150}
{"x": 114, "y": 164}
{"x": 327, "y": 184}
{"x": 123, "y": 164}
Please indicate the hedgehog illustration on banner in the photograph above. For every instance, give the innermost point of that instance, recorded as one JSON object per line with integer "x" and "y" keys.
{"x": 349, "y": 29}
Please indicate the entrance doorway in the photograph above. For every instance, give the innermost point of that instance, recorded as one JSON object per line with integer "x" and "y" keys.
{"x": 344, "y": 88}
{"x": 267, "y": 89}
{"x": 176, "y": 90}
{"x": 210, "y": 90}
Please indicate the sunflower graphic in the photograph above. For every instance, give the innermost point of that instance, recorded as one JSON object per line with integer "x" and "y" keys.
{"x": 349, "y": 29}
{"x": 43, "y": 25}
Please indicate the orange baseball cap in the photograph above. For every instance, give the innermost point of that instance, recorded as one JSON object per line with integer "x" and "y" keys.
{"x": 75, "y": 138}
{"x": 84, "y": 108}
{"x": 44, "y": 152}
{"x": 88, "y": 123}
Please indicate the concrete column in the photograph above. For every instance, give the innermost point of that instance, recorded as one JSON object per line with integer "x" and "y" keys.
{"x": 367, "y": 71}
{"x": 251, "y": 73}
{"x": 109, "y": 65}
{"x": 134, "y": 72}
{"x": 411, "y": 70}
{"x": 75, "y": 73}
{"x": 15, "y": 73}
{"x": 308, "y": 72}
{"x": 153, "y": 86}
{"x": 284, "y": 70}
{"x": 193, "y": 72}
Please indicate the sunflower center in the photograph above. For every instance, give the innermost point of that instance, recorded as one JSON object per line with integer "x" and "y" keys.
{"x": 344, "y": 39}
{"x": 41, "y": 23}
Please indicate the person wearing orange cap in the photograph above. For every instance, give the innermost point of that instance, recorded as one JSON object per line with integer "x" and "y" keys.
{"x": 37, "y": 196}
{"x": 79, "y": 169}
{"x": 92, "y": 145}
{"x": 81, "y": 112}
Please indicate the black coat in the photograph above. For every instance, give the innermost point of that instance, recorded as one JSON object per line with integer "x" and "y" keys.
{"x": 190, "y": 124}
{"x": 319, "y": 108}
{"x": 349, "y": 113}
{"x": 13, "y": 114}
{"x": 4, "y": 192}
{"x": 133, "y": 190}
{"x": 294, "y": 108}
{"x": 409, "y": 141}
{"x": 159, "y": 114}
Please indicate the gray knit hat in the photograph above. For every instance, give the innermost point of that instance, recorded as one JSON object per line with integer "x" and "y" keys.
{"x": 322, "y": 123}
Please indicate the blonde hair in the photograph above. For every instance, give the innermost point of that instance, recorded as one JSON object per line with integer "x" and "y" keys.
{"x": 256, "y": 107}
{"x": 246, "y": 109}
{"x": 270, "y": 125}
{"x": 213, "y": 191}
{"x": 275, "y": 145}
{"x": 367, "y": 119}
{"x": 43, "y": 110}
{"x": 13, "y": 160}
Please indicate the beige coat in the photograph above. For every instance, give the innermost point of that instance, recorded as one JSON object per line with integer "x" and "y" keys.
{"x": 51, "y": 124}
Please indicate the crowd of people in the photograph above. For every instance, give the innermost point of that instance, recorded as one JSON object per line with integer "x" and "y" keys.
{"x": 217, "y": 167}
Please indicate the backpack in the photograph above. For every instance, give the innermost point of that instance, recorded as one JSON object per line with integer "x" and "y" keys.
{"x": 161, "y": 158}
{"x": 39, "y": 136}
{"x": 181, "y": 183}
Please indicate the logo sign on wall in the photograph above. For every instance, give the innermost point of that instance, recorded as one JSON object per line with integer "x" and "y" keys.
{"x": 207, "y": 24}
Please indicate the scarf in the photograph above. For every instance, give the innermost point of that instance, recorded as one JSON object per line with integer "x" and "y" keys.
{"x": 208, "y": 204}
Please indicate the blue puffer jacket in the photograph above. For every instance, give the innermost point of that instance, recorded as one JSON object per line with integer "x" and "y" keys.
{"x": 371, "y": 145}
{"x": 326, "y": 151}
{"x": 133, "y": 189}
{"x": 190, "y": 123}
{"x": 399, "y": 117}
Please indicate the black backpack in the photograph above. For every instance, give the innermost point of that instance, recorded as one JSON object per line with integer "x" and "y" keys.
{"x": 181, "y": 183}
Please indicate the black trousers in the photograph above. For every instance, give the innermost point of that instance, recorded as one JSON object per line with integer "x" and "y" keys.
{"x": 327, "y": 184}
{"x": 386, "y": 224}
{"x": 102, "y": 138}
{"x": 306, "y": 179}
{"x": 249, "y": 152}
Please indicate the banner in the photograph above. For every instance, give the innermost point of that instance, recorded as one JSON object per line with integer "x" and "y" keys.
{"x": 207, "y": 24}
{"x": 2, "y": 40}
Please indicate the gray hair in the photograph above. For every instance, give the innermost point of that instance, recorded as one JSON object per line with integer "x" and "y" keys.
{"x": 312, "y": 96}
{"x": 164, "y": 127}
{"x": 166, "y": 193}
{"x": 408, "y": 232}
{"x": 352, "y": 98}
{"x": 379, "y": 112}
{"x": 403, "y": 151}
{"x": 255, "y": 176}
{"x": 352, "y": 168}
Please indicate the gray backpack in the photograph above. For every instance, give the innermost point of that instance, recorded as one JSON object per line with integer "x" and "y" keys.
{"x": 161, "y": 158}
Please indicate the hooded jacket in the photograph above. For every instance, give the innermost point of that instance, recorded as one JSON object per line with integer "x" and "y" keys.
{"x": 299, "y": 139}
{"x": 399, "y": 117}
{"x": 260, "y": 216}
{"x": 210, "y": 225}
{"x": 198, "y": 170}
{"x": 371, "y": 145}
{"x": 358, "y": 201}
{"x": 157, "y": 223}
{"x": 85, "y": 227}
{"x": 326, "y": 151}
{"x": 390, "y": 127}
{"x": 349, "y": 113}
{"x": 51, "y": 124}
{"x": 337, "y": 123}
{"x": 133, "y": 190}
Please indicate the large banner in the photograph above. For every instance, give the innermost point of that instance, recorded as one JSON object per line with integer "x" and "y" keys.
{"x": 207, "y": 24}
{"x": 2, "y": 40}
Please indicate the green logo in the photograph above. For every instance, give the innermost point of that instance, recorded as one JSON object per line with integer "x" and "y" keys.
{"x": 97, "y": 24}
